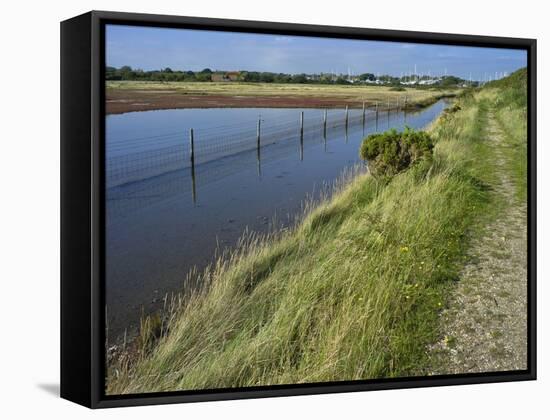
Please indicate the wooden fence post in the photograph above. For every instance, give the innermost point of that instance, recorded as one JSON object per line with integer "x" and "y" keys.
{"x": 325, "y": 128}
{"x": 192, "y": 157}
{"x": 347, "y": 111}
{"x": 258, "y": 134}
{"x": 192, "y": 147}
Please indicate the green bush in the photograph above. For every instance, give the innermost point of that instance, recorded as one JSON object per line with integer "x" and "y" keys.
{"x": 391, "y": 152}
{"x": 448, "y": 112}
{"x": 453, "y": 109}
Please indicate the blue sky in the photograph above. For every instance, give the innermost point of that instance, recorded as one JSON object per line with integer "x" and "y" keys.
{"x": 181, "y": 49}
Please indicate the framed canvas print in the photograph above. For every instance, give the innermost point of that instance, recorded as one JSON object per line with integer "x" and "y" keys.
{"x": 255, "y": 209}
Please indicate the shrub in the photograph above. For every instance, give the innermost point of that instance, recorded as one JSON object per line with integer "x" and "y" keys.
{"x": 453, "y": 109}
{"x": 448, "y": 112}
{"x": 391, "y": 152}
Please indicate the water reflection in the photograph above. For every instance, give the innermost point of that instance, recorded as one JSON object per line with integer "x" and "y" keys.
{"x": 168, "y": 212}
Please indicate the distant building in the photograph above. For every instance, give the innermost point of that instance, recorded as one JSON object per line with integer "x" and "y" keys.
{"x": 218, "y": 77}
{"x": 429, "y": 82}
{"x": 230, "y": 76}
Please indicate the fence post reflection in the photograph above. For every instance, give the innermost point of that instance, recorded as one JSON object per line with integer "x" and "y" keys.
{"x": 302, "y": 135}
{"x": 325, "y": 129}
{"x": 192, "y": 156}
{"x": 258, "y": 145}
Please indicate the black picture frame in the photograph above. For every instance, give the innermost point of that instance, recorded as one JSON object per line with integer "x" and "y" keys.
{"x": 83, "y": 197}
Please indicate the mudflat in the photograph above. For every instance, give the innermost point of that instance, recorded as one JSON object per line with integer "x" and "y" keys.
{"x": 124, "y": 97}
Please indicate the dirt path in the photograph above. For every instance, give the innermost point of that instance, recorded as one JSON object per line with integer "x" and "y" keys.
{"x": 485, "y": 326}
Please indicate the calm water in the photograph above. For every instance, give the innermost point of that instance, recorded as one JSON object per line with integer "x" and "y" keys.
{"x": 162, "y": 221}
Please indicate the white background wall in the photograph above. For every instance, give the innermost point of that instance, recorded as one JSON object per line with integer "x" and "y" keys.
{"x": 29, "y": 234}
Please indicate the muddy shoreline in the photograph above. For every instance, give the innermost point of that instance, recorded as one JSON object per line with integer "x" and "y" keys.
{"x": 122, "y": 101}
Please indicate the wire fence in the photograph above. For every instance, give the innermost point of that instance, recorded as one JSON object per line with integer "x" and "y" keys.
{"x": 130, "y": 160}
{"x": 166, "y": 173}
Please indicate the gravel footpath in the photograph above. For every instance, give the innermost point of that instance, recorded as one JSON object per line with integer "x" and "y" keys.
{"x": 484, "y": 328}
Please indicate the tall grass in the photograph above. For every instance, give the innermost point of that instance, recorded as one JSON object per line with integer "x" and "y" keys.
{"x": 509, "y": 100}
{"x": 352, "y": 292}
{"x": 512, "y": 90}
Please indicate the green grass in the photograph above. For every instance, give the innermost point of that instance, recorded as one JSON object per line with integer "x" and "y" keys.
{"x": 512, "y": 90}
{"x": 509, "y": 100}
{"x": 514, "y": 125}
{"x": 352, "y": 292}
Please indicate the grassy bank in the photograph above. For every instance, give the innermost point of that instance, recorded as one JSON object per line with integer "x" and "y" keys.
{"x": 352, "y": 292}
{"x": 509, "y": 99}
{"x": 484, "y": 327}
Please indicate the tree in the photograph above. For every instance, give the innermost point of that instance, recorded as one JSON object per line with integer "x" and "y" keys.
{"x": 450, "y": 81}
{"x": 282, "y": 78}
{"x": 203, "y": 77}
{"x": 267, "y": 77}
{"x": 367, "y": 76}
{"x": 111, "y": 73}
{"x": 126, "y": 73}
{"x": 251, "y": 76}
{"x": 299, "y": 78}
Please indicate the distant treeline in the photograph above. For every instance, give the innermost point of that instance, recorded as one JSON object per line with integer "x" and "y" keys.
{"x": 208, "y": 75}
